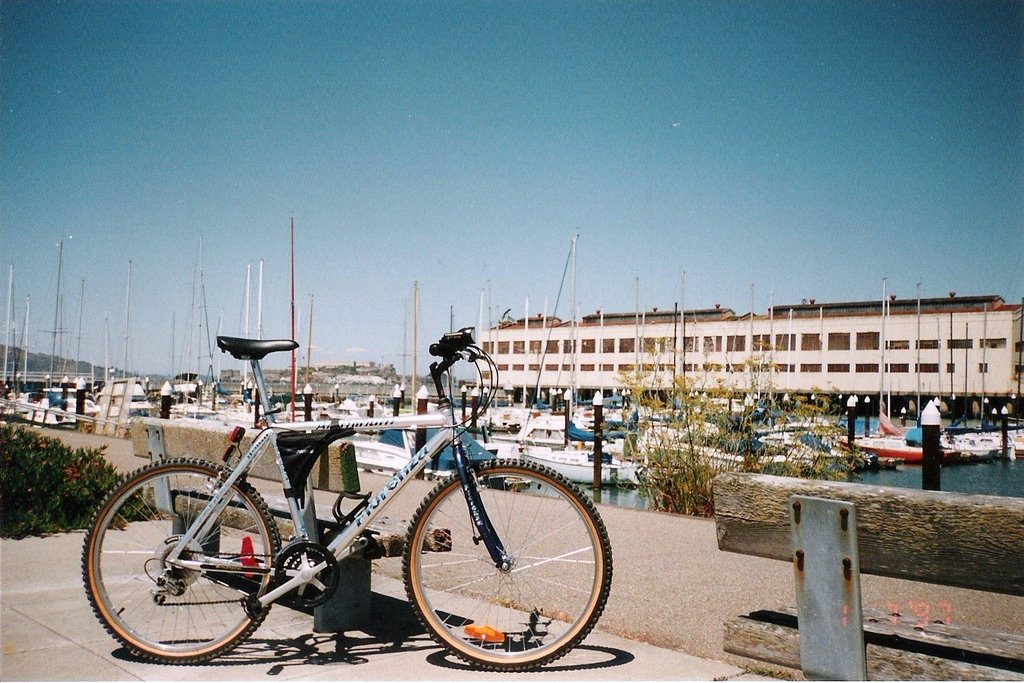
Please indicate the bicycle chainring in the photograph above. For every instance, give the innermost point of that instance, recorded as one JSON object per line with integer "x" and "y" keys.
{"x": 303, "y": 555}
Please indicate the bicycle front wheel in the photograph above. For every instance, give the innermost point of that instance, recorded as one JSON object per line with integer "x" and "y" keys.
{"x": 531, "y": 613}
{"x": 158, "y": 610}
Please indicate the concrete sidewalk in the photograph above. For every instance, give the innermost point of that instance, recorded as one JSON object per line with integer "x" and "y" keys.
{"x": 49, "y": 632}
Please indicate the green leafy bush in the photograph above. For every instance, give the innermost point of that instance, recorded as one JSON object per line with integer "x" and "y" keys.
{"x": 46, "y": 486}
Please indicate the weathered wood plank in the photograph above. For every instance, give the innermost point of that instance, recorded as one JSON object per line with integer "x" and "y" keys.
{"x": 939, "y": 537}
{"x": 891, "y": 653}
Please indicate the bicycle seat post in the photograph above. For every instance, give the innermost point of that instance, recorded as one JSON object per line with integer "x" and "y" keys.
{"x": 261, "y": 388}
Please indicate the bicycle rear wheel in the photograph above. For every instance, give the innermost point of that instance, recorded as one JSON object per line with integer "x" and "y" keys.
{"x": 540, "y": 608}
{"x": 165, "y": 613}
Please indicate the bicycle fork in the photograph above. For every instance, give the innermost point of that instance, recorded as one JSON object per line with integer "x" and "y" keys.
{"x": 485, "y": 529}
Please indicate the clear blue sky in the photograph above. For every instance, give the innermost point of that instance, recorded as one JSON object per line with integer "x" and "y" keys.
{"x": 810, "y": 149}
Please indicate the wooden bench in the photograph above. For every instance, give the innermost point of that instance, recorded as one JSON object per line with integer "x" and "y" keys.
{"x": 967, "y": 541}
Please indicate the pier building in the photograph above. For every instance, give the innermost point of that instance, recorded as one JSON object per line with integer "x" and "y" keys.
{"x": 967, "y": 350}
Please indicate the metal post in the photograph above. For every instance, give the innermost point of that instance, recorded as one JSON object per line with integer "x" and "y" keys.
{"x": 256, "y": 408}
{"x": 598, "y": 446}
{"x": 421, "y": 408}
{"x": 931, "y": 424}
{"x": 463, "y": 391}
{"x": 369, "y": 409}
{"x": 567, "y": 395}
{"x": 475, "y": 408}
{"x": 867, "y": 416}
{"x": 1005, "y": 427}
{"x": 307, "y": 403}
{"x": 851, "y": 419}
{"x": 165, "y": 401}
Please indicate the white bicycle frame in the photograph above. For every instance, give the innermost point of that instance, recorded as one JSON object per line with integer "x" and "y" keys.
{"x": 347, "y": 541}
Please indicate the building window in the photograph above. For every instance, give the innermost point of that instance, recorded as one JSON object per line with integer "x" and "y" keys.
{"x": 762, "y": 342}
{"x": 928, "y": 344}
{"x": 552, "y": 346}
{"x": 517, "y": 366}
{"x": 950, "y": 368}
{"x": 518, "y": 347}
{"x": 898, "y": 368}
{"x": 866, "y": 367}
{"x": 810, "y": 367}
{"x": 551, "y": 367}
{"x": 503, "y": 367}
{"x": 650, "y": 345}
{"x": 736, "y": 342}
{"x": 535, "y": 346}
{"x": 588, "y": 346}
{"x": 995, "y": 343}
{"x": 785, "y": 342}
{"x": 960, "y": 344}
{"x": 839, "y": 367}
{"x": 626, "y": 367}
{"x": 689, "y": 344}
{"x": 810, "y": 342}
{"x": 867, "y": 341}
{"x": 897, "y": 344}
{"x": 567, "y": 345}
{"x": 502, "y": 347}
{"x": 608, "y": 346}
{"x": 983, "y": 368}
{"x": 838, "y": 341}
{"x": 586, "y": 367}
{"x": 927, "y": 368}
{"x": 712, "y": 344}
{"x": 627, "y": 345}
{"x": 608, "y": 367}
{"x": 534, "y": 367}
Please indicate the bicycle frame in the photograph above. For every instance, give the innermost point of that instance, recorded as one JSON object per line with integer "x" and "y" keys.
{"x": 347, "y": 541}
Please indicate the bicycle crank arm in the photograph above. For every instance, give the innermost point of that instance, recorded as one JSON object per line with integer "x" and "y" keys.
{"x": 302, "y": 578}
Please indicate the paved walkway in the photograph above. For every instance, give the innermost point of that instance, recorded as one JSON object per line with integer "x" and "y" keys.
{"x": 672, "y": 590}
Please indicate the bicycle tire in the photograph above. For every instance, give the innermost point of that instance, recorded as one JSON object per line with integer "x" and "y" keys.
{"x": 539, "y": 609}
{"x": 122, "y": 559}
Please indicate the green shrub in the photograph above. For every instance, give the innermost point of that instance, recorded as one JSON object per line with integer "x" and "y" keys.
{"x": 46, "y": 486}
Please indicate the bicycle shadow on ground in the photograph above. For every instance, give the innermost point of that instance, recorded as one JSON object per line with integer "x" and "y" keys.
{"x": 394, "y": 628}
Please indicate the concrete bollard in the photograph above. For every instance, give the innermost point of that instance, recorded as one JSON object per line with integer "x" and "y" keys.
{"x": 369, "y": 409}
{"x": 165, "y": 401}
{"x": 256, "y": 408}
{"x": 396, "y": 401}
{"x": 931, "y": 425}
{"x": 867, "y": 416}
{"x": 463, "y": 392}
{"x": 598, "y": 446}
{"x": 307, "y": 403}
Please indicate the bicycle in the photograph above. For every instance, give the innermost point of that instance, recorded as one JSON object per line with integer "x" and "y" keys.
{"x": 507, "y": 565}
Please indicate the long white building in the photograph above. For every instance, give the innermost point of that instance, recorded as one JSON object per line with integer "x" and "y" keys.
{"x": 966, "y": 350}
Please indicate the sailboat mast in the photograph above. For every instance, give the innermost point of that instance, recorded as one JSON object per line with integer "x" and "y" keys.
{"x": 127, "y": 319}
{"x": 245, "y": 365}
{"x": 7, "y": 320}
{"x": 81, "y": 306}
{"x": 293, "y": 315}
{"x": 56, "y": 303}
{"x": 415, "y": 332}
{"x": 259, "y": 305}
{"x": 25, "y": 340}
{"x": 881, "y": 367}
{"x": 309, "y": 339}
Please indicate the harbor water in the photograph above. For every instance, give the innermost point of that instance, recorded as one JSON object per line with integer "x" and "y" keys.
{"x": 997, "y": 478}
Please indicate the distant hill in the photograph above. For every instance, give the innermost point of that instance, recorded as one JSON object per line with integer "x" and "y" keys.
{"x": 41, "y": 363}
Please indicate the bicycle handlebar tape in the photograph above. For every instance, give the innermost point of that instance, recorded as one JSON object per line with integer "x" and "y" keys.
{"x": 349, "y": 470}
